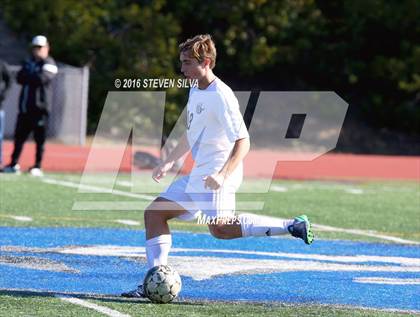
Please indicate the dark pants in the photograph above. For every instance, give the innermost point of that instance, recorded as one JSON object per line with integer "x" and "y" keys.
{"x": 1, "y": 135}
{"x": 27, "y": 123}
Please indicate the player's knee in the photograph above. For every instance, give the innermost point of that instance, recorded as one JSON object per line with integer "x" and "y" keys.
{"x": 147, "y": 216}
{"x": 157, "y": 213}
{"x": 152, "y": 215}
{"x": 220, "y": 232}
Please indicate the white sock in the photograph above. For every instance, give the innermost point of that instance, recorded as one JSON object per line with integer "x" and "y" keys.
{"x": 259, "y": 226}
{"x": 157, "y": 250}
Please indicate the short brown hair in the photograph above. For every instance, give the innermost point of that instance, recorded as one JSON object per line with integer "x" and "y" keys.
{"x": 200, "y": 47}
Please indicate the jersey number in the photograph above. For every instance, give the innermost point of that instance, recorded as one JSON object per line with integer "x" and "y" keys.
{"x": 190, "y": 116}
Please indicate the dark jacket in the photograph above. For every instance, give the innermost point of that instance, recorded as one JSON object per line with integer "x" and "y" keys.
{"x": 35, "y": 78}
{"x": 5, "y": 81}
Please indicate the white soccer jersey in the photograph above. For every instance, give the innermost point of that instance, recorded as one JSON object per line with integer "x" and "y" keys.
{"x": 214, "y": 123}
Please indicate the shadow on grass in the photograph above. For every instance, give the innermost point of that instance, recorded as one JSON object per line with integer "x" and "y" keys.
{"x": 98, "y": 297}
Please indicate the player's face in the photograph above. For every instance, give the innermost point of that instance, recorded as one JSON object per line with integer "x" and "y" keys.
{"x": 40, "y": 52}
{"x": 191, "y": 68}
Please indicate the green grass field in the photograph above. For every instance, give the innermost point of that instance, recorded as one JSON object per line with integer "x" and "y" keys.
{"x": 382, "y": 208}
{"x": 32, "y": 305}
{"x": 389, "y": 208}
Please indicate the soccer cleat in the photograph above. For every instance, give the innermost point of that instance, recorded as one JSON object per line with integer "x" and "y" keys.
{"x": 12, "y": 169}
{"x": 36, "y": 171}
{"x": 301, "y": 228}
{"x": 136, "y": 293}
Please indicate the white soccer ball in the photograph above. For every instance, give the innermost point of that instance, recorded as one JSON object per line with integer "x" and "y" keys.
{"x": 162, "y": 284}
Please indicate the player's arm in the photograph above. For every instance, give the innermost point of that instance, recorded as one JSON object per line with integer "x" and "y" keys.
{"x": 47, "y": 73}
{"x": 23, "y": 75}
{"x": 239, "y": 151}
{"x": 179, "y": 151}
{"x": 27, "y": 77}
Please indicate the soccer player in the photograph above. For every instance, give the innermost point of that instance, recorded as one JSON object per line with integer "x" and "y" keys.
{"x": 218, "y": 139}
{"x": 34, "y": 103}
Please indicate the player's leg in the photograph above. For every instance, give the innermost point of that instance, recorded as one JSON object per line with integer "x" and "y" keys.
{"x": 259, "y": 226}
{"x": 1, "y": 136}
{"x": 158, "y": 237}
{"x": 250, "y": 225}
{"x": 224, "y": 224}
{"x": 228, "y": 226}
{"x": 40, "y": 123}
{"x": 167, "y": 206}
{"x": 22, "y": 130}
{"x": 247, "y": 225}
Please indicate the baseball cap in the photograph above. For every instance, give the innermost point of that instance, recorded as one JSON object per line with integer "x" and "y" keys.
{"x": 39, "y": 40}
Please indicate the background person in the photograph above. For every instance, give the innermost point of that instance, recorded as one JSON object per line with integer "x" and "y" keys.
{"x": 34, "y": 103}
{"x": 5, "y": 80}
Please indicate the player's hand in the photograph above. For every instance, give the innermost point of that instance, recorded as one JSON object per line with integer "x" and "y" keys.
{"x": 214, "y": 181}
{"x": 161, "y": 170}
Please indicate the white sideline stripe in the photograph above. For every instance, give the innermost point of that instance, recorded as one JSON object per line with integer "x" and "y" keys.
{"x": 294, "y": 305}
{"x": 126, "y": 205}
{"x": 141, "y": 205}
{"x": 365, "y": 233}
{"x": 115, "y": 250}
{"x": 355, "y": 191}
{"x": 128, "y": 222}
{"x": 280, "y": 189}
{"x": 104, "y": 310}
{"x": 97, "y": 189}
{"x": 387, "y": 280}
{"x": 124, "y": 183}
{"x": 148, "y": 197}
{"x": 21, "y": 218}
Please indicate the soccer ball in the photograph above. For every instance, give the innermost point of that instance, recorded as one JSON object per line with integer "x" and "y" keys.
{"x": 162, "y": 284}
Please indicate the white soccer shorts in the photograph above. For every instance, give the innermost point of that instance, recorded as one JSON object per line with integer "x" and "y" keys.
{"x": 190, "y": 194}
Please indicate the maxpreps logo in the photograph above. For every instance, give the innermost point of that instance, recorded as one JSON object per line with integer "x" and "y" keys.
{"x": 300, "y": 126}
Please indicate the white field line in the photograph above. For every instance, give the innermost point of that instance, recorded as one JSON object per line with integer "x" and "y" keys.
{"x": 141, "y": 205}
{"x": 149, "y": 197}
{"x": 21, "y": 218}
{"x": 294, "y": 305}
{"x": 355, "y": 191}
{"x": 279, "y": 189}
{"x": 207, "y": 267}
{"x": 124, "y": 183}
{"x": 104, "y": 310}
{"x": 365, "y": 233}
{"x": 136, "y": 252}
{"x": 283, "y": 189}
{"x": 387, "y": 280}
{"x": 126, "y": 205}
{"x": 124, "y": 251}
{"x": 128, "y": 222}
{"x": 97, "y": 189}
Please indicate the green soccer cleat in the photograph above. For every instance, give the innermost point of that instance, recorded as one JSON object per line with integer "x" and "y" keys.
{"x": 301, "y": 228}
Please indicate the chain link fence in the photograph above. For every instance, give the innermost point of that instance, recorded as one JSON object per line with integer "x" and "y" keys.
{"x": 68, "y": 117}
